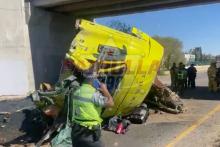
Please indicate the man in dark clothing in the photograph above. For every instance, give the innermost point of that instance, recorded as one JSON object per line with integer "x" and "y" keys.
{"x": 218, "y": 77}
{"x": 191, "y": 76}
{"x": 185, "y": 76}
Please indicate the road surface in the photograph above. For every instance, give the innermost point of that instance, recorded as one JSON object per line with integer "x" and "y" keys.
{"x": 198, "y": 126}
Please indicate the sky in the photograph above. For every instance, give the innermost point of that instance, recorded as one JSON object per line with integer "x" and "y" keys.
{"x": 197, "y": 26}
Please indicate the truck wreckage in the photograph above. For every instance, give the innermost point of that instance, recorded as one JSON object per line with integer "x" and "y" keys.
{"x": 126, "y": 63}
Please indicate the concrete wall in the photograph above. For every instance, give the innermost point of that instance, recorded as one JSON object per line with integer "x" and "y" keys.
{"x": 16, "y": 76}
{"x": 50, "y": 37}
{"x": 32, "y": 44}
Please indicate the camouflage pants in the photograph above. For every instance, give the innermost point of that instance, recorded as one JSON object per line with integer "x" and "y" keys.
{"x": 173, "y": 83}
{"x": 212, "y": 85}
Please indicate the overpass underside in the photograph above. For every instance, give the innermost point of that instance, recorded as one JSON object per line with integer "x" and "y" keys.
{"x": 96, "y": 8}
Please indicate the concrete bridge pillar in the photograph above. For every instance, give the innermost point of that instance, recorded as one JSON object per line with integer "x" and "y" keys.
{"x": 50, "y": 37}
{"x": 33, "y": 42}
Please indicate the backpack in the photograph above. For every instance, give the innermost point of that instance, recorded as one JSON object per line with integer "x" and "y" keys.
{"x": 63, "y": 138}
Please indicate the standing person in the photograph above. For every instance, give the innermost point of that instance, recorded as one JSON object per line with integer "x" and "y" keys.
{"x": 185, "y": 75}
{"x": 173, "y": 72}
{"x": 192, "y": 72}
{"x": 218, "y": 77}
{"x": 181, "y": 78}
{"x": 212, "y": 72}
{"x": 87, "y": 106}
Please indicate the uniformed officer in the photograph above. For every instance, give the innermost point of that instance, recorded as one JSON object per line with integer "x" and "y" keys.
{"x": 88, "y": 101}
{"x": 185, "y": 75}
{"x": 192, "y": 76}
{"x": 212, "y": 72}
{"x": 181, "y": 78}
{"x": 173, "y": 72}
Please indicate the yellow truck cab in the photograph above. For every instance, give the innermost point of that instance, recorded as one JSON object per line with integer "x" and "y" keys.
{"x": 127, "y": 63}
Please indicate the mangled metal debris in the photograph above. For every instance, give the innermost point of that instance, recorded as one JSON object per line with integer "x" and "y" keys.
{"x": 162, "y": 98}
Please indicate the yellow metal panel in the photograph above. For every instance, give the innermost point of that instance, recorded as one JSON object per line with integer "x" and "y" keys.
{"x": 142, "y": 60}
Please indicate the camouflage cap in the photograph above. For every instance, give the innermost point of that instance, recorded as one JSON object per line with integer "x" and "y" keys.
{"x": 91, "y": 73}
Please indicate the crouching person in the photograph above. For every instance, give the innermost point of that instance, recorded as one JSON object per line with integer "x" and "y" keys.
{"x": 87, "y": 103}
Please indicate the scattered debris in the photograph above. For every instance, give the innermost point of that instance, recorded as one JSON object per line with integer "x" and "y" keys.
{"x": 4, "y": 119}
{"x": 49, "y": 133}
{"x": 162, "y": 98}
{"x": 2, "y": 126}
{"x": 139, "y": 115}
{"x": 25, "y": 108}
{"x": 27, "y": 145}
{"x": 48, "y": 95}
{"x": 118, "y": 125}
{"x": 2, "y": 140}
{"x": 112, "y": 123}
{"x": 50, "y": 101}
{"x": 5, "y": 113}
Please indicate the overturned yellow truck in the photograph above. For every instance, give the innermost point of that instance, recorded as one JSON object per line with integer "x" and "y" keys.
{"x": 127, "y": 63}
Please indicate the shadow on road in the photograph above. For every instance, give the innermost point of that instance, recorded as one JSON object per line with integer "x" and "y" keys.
{"x": 24, "y": 127}
{"x": 20, "y": 129}
{"x": 201, "y": 93}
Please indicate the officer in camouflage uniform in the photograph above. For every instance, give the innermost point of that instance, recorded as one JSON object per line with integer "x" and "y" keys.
{"x": 181, "y": 78}
{"x": 212, "y": 72}
{"x": 185, "y": 75}
{"x": 173, "y": 72}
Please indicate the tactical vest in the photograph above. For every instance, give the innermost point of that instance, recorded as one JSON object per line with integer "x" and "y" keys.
{"x": 85, "y": 113}
{"x": 180, "y": 75}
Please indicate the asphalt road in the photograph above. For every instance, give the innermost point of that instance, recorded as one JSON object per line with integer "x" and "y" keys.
{"x": 198, "y": 126}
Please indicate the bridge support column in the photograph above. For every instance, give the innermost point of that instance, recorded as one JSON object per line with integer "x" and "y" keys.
{"x": 33, "y": 42}
{"x": 50, "y": 37}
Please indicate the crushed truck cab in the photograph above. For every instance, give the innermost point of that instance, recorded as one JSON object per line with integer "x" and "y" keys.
{"x": 127, "y": 63}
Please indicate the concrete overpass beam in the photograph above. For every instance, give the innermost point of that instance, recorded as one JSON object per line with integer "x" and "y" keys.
{"x": 94, "y": 8}
{"x": 84, "y": 5}
{"x": 132, "y": 7}
{"x": 51, "y": 3}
